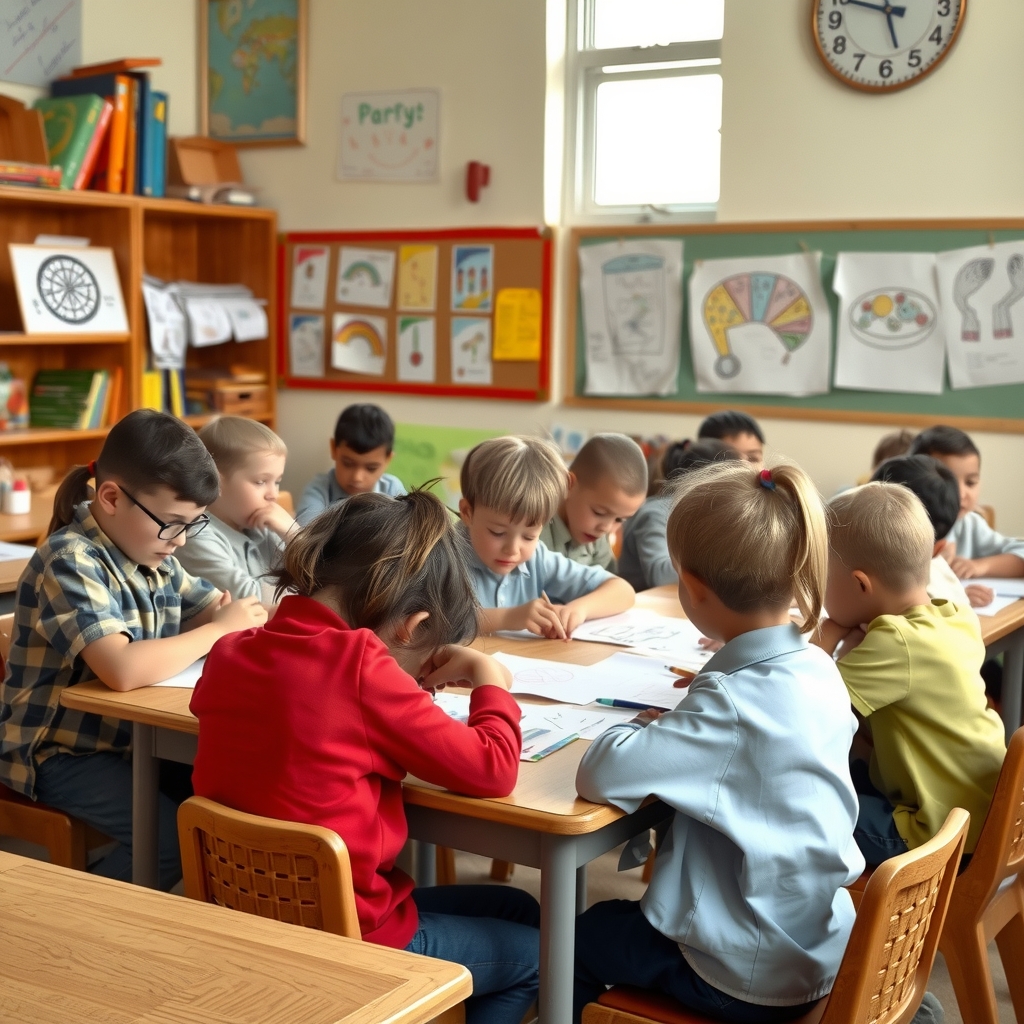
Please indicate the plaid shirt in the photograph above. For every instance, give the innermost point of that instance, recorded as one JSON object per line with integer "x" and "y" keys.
{"x": 77, "y": 588}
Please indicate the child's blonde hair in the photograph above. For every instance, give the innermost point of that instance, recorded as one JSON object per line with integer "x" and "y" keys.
{"x": 232, "y": 439}
{"x": 883, "y": 530}
{"x": 523, "y": 478}
{"x": 756, "y": 539}
{"x": 613, "y": 456}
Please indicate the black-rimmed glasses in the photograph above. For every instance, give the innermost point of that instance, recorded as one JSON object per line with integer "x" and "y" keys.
{"x": 168, "y": 531}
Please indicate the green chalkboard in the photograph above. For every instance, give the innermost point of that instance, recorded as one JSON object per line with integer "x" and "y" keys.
{"x": 989, "y": 408}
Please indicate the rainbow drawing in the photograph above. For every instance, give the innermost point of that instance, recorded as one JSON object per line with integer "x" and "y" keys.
{"x": 360, "y": 330}
{"x": 363, "y": 273}
{"x": 359, "y": 343}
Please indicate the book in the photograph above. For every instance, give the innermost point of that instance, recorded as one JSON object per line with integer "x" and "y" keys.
{"x": 16, "y": 172}
{"x": 85, "y": 421}
{"x": 114, "y": 66}
{"x": 143, "y": 135}
{"x": 70, "y": 122}
{"x": 59, "y": 398}
{"x": 95, "y": 145}
{"x": 159, "y": 147}
{"x": 152, "y": 390}
{"x": 131, "y": 142}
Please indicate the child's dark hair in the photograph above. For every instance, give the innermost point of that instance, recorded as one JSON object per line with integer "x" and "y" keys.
{"x": 891, "y": 445}
{"x": 931, "y": 481}
{"x": 363, "y": 427}
{"x": 729, "y": 423}
{"x": 943, "y": 440}
{"x": 386, "y": 559}
{"x": 146, "y": 449}
{"x": 681, "y": 457}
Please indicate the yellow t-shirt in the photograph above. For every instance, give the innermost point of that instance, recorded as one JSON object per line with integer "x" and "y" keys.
{"x": 916, "y": 678}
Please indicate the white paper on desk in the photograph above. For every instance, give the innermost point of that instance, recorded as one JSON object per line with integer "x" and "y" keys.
{"x": 187, "y": 678}
{"x": 1005, "y": 587}
{"x": 556, "y": 680}
{"x": 248, "y": 319}
{"x": 14, "y": 552}
{"x": 637, "y": 679}
{"x": 674, "y": 639}
{"x": 997, "y": 604}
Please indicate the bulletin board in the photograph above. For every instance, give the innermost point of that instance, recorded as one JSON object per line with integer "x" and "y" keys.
{"x": 996, "y": 408}
{"x": 459, "y": 313}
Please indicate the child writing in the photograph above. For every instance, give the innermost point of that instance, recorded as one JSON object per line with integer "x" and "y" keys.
{"x": 607, "y": 484}
{"x": 511, "y": 486}
{"x": 382, "y": 600}
{"x": 104, "y": 597}
{"x": 913, "y": 673}
{"x": 746, "y": 917}
{"x": 974, "y": 549}
{"x": 247, "y": 527}
{"x": 739, "y": 431}
{"x": 361, "y": 449}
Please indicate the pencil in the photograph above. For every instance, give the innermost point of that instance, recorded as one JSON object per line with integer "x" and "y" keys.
{"x": 686, "y": 676}
{"x": 561, "y": 628}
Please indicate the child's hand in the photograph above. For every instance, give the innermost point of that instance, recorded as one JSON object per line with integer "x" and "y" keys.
{"x": 540, "y": 617}
{"x": 570, "y": 616}
{"x": 464, "y": 666}
{"x": 965, "y": 568}
{"x": 273, "y": 517}
{"x": 707, "y": 644}
{"x": 979, "y": 595}
{"x": 830, "y": 635}
{"x": 646, "y": 717}
{"x": 851, "y": 640}
{"x": 244, "y": 613}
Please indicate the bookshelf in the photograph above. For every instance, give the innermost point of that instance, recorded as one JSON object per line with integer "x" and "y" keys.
{"x": 170, "y": 238}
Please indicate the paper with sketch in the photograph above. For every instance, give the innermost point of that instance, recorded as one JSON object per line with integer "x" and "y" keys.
{"x": 360, "y": 344}
{"x": 981, "y": 290}
{"x": 673, "y": 639}
{"x": 168, "y": 335}
{"x": 309, "y": 276}
{"x": 632, "y": 298}
{"x": 248, "y": 319}
{"x": 306, "y": 345}
{"x": 416, "y": 349}
{"x": 365, "y": 276}
{"x": 760, "y": 325}
{"x": 208, "y": 321}
{"x": 888, "y": 337}
{"x": 187, "y": 678}
{"x": 638, "y": 679}
{"x": 471, "y": 350}
{"x": 417, "y": 277}
{"x": 556, "y": 680}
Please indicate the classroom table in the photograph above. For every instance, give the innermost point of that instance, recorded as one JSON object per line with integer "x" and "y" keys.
{"x": 10, "y": 573}
{"x": 27, "y": 529}
{"x": 87, "y": 948}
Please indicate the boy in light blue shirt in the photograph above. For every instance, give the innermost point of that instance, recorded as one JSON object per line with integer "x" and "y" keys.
{"x": 511, "y": 487}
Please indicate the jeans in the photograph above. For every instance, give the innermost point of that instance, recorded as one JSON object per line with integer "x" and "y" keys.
{"x": 97, "y": 789}
{"x": 617, "y": 945}
{"x": 494, "y": 931}
{"x": 876, "y": 833}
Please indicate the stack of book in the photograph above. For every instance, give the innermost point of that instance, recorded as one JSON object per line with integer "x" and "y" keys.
{"x": 75, "y": 399}
{"x": 17, "y": 172}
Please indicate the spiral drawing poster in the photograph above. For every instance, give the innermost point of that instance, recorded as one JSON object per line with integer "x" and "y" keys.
{"x": 981, "y": 290}
{"x": 760, "y": 325}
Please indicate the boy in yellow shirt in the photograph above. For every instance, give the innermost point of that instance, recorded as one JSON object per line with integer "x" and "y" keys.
{"x": 911, "y": 666}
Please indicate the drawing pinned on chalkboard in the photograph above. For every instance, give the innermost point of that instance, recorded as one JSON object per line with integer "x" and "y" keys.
{"x": 471, "y": 350}
{"x": 359, "y": 344}
{"x": 365, "y": 276}
{"x": 416, "y": 346}
{"x": 760, "y": 325}
{"x": 632, "y": 315}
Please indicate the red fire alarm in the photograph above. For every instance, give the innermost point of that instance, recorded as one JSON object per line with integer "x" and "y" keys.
{"x": 477, "y": 176}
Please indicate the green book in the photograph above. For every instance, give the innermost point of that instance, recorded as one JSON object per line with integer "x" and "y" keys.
{"x": 59, "y": 398}
{"x": 70, "y": 123}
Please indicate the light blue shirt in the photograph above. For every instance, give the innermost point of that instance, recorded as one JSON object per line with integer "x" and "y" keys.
{"x": 974, "y": 538}
{"x": 644, "y": 561}
{"x": 754, "y": 760}
{"x": 324, "y": 490}
{"x": 561, "y": 579}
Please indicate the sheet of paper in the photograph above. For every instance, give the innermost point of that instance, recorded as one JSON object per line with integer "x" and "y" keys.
{"x": 248, "y": 319}
{"x": 417, "y": 346}
{"x": 365, "y": 276}
{"x": 632, "y": 296}
{"x": 417, "y": 278}
{"x": 1007, "y": 586}
{"x": 675, "y": 640}
{"x": 359, "y": 344}
{"x": 15, "y": 552}
{"x": 997, "y": 604}
{"x": 472, "y": 278}
{"x": 187, "y": 678}
{"x": 760, "y": 325}
{"x": 517, "y": 324}
{"x": 168, "y": 333}
{"x": 471, "y": 350}
{"x": 309, "y": 276}
{"x": 572, "y": 684}
{"x": 639, "y": 680}
{"x": 208, "y": 320}
{"x": 306, "y": 345}
{"x": 389, "y": 136}
{"x": 981, "y": 290}
{"x": 888, "y": 337}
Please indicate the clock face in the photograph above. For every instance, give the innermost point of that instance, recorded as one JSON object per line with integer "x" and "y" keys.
{"x": 881, "y": 45}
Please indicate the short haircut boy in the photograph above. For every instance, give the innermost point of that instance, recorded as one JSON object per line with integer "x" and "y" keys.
{"x": 729, "y": 423}
{"x": 883, "y": 530}
{"x": 683, "y": 456}
{"x": 523, "y": 478}
{"x": 943, "y": 440}
{"x": 232, "y": 439}
{"x": 932, "y": 482}
{"x": 613, "y": 456}
{"x": 891, "y": 445}
{"x": 364, "y": 427}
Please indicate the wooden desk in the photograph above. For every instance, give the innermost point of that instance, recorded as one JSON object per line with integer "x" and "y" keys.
{"x": 28, "y": 528}
{"x": 10, "y": 573}
{"x": 89, "y": 948}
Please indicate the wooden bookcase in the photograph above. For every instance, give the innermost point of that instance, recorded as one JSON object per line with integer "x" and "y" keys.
{"x": 169, "y": 238}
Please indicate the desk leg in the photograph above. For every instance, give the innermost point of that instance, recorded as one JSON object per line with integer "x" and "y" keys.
{"x": 145, "y": 808}
{"x": 581, "y": 889}
{"x": 557, "y": 928}
{"x": 1013, "y": 685}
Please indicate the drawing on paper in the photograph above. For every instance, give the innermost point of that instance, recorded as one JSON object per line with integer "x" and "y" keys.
{"x": 359, "y": 344}
{"x": 543, "y": 674}
{"x": 1002, "y": 325}
{"x": 416, "y": 348}
{"x": 309, "y": 276}
{"x": 892, "y": 318}
{"x": 306, "y": 345}
{"x": 770, "y": 299}
{"x": 471, "y": 350}
{"x": 633, "y": 288}
{"x": 970, "y": 278}
{"x": 365, "y": 276}
{"x": 472, "y": 277}
{"x": 68, "y": 289}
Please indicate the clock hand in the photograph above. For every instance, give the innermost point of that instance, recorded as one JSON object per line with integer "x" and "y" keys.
{"x": 892, "y": 31}
{"x": 863, "y": 3}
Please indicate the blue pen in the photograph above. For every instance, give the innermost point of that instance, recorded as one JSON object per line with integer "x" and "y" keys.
{"x": 623, "y": 704}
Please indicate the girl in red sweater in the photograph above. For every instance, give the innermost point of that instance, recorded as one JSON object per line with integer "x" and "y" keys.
{"x": 318, "y": 717}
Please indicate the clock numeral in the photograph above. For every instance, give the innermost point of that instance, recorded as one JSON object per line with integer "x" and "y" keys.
{"x": 839, "y": 44}
{"x": 835, "y": 19}
{"x": 914, "y": 58}
{"x": 943, "y": 8}
{"x": 885, "y": 68}
{"x": 936, "y": 36}
{"x": 860, "y": 60}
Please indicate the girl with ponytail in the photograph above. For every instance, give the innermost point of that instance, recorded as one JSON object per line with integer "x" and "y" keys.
{"x": 319, "y": 716}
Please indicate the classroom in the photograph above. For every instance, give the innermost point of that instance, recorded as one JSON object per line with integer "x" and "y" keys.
{"x": 522, "y": 844}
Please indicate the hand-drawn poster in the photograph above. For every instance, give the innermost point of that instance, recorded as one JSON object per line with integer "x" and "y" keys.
{"x": 360, "y": 344}
{"x": 416, "y": 347}
{"x": 632, "y": 315}
{"x": 417, "y": 278}
{"x": 472, "y": 277}
{"x": 389, "y": 136}
{"x": 306, "y": 345}
{"x": 888, "y": 337}
{"x": 471, "y": 350}
{"x": 760, "y": 325}
{"x": 39, "y": 41}
{"x": 364, "y": 277}
{"x": 980, "y": 289}
{"x": 309, "y": 276}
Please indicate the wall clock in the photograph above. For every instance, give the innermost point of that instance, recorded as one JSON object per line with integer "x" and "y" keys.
{"x": 884, "y": 45}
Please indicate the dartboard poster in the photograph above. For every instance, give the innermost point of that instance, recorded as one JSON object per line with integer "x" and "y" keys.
{"x": 68, "y": 291}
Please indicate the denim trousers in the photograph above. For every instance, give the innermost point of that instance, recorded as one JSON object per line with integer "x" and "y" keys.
{"x": 617, "y": 945}
{"x": 97, "y": 789}
{"x": 494, "y": 931}
{"x": 876, "y": 833}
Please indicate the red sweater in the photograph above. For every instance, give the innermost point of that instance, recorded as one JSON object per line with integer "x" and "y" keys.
{"x": 308, "y": 720}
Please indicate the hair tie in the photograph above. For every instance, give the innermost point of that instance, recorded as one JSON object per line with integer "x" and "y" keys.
{"x": 766, "y": 480}
{"x": 92, "y": 468}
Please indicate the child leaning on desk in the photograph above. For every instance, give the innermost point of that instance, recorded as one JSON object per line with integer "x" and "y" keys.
{"x": 746, "y": 917}
{"x": 104, "y": 597}
{"x": 335, "y": 711}
{"x": 511, "y": 487}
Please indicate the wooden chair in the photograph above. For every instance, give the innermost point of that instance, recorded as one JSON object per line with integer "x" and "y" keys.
{"x": 285, "y": 500}
{"x": 988, "y": 513}
{"x": 295, "y": 873}
{"x": 988, "y": 902}
{"x": 889, "y": 956}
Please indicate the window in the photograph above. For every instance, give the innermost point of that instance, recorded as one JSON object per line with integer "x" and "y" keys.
{"x": 644, "y": 107}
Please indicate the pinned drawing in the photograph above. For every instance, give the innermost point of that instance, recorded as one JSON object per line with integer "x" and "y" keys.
{"x": 306, "y": 345}
{"x": 969, "y": 279}
{"x": 417, "y": 277}
{"x": 359, "y": 344}
{"x": 1002, "y": 324}
{"x": 471, "y": 350}
{"x": 365, "y": 276}
{"x": 309, "y": 276}
{"x": 892, "y": 318}
{"x": 472, "y": 277}
{"x": 760, "y": 325}
{"x": 416, "y": 349}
